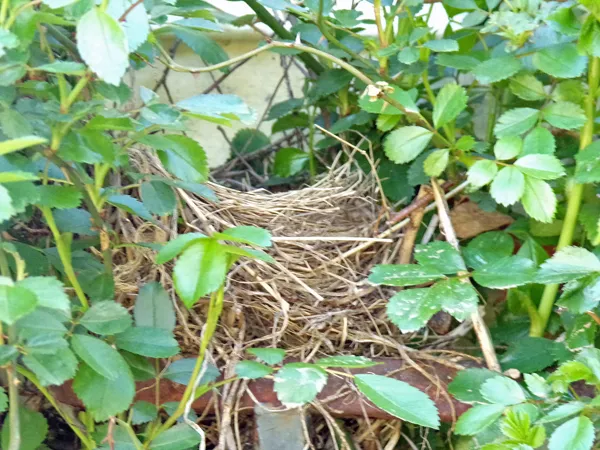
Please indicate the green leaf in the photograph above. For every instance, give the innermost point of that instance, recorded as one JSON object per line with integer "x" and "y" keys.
{"x": 527, "y": 87}
{"x": 15, "y": 302}
{"x": 467, "y": 383}
{"x": 45, "y": 344}
{"x": 200, "y": 270}
{"x": 450, "y": 102}
{"x": 50, "y": 292}
{"x": 403, "y": 274}
{"x": 182, "y": 156}
{"x": 563, "y": 411}
{"x": 387, "y": 122}
{"x": 17, "y": 177}
{"x": 439, "y": 256}
{"x": 516, "y": 122}
{"x": 247, "y": 235}
{"x": 143, "y": 412}
{"x": 8, "y": 353}
{"x": 284, "y": 108}
{"x": 569, "y": 263}
{"x": 15, "y": 145}
{"x": 181, "y": 372}
{"x": 442, "y": 45}
{"x": 539, "y": 141}
{"x": 98, "y": 355}
{"x": 106, "y": 318}
{"x": 14, "y": 124}
{"x": 436, "y": 162}
{"x": 410, "y": 310}
{"x": 178, "y": 437}
{"x": 405, "y": 144}
{"x": 482, "y": 172}
{"x": 268, "y": 355}
{"x": 459, "y": 62}
{"x": 289, "y": 161}
{"x": 503, "y": 391}
{"x": 477, "y": 419}
{"x": 457, "y": 297}
{"x": 508, "y": 186}
{"x": 148, "y": 341}
{"x": 562, "y": 61}
{"x": 329, "y": 82}
{"x": 496, "y": 69}
{"x": 487, "y": 248}
{"x": 131, "y": 205}
{"x": 251, "y": 370}
{"x": 175, "y": 246}
{"x": 153, "y": 308}
{"x": 141, "y": 367}
{"x": 381, "y": 106}
{"x": 248, "y": 140}
{"x": 7, "y": 210}
{"x": 218, "y": 107}
{"x": 101, "y": 396}
{"x": 64, "y": 67}
{"x": 531, "y": 354}
{"x": 543, "y": 167}
{"x": 33, "y": 426}
{"x": 346, "y": 361}
{"x": 587, "y": 169}
{"x": 52, "y": 369}
{"x": 576, "y": 434}
{"x": 61, "y": 197}
{"x": 508, "y": 147}
{"x": 348, "y": 122}
{"x": 102, "y": 44}
{"x": 158, "y": 197}
{"x": 299, "y": 383}
{"x": 581, "y": 295}
{"x": 201, "y": 44}
{"x": 539, "y": 200}
{"x": 3, "y": 400}
{"x": 506, "y": 273}
{"x": 399, "y": 399}
{"x": 38, "y": 323}
{"x": 74, "y": 221}
{"x": 537, "y": 385}
{"x": 135, "y": 24}
{"x": 565, "y": 115}
{"x": 408, "y": 55}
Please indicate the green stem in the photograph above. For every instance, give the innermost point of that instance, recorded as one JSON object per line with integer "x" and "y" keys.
{"x": 3, "y": 11}
{"x": 573, "y": 200}
{"x": 13, "y": 382}
{"x": 383, "y": 61}
{"x": 86, "y": 441}
{"x": 214, "y": 313}
{"x": 312, "y": 167}
{"x": 81, "y": 84}
{"x": 266, "y": 18}
{"x": 64, "y": 252}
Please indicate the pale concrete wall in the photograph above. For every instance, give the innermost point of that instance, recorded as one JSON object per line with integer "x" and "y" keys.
{"x": 254, "y": 82}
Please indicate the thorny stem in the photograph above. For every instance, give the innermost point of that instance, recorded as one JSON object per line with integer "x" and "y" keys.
{"x": 573, "y": 200}
{"x": 214, "y": 313}
{"x": 13, "y": 382}
{"x": 87, "y": 442}
{"x": 168, "y": 61}
{"x": 481, "y": 330}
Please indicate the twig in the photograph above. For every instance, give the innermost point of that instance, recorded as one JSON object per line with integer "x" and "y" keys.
{"x": 327, "y": 239}
{"x": 410, "y": 235}
{"x": 128, "y": 10}
{"x": 481, "y": 330}
{"x": 397, "y": 226}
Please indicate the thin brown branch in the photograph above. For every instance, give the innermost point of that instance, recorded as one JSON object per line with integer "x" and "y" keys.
{"x": 128, "y": 10}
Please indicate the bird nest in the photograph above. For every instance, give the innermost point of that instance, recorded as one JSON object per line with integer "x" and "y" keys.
{"x": 314, "y": 300}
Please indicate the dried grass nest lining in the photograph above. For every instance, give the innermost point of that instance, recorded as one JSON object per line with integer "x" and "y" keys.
{"x": 311, "y": 302}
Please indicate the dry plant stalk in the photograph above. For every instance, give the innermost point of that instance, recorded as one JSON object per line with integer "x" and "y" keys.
{"x": 481, "y": 330}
